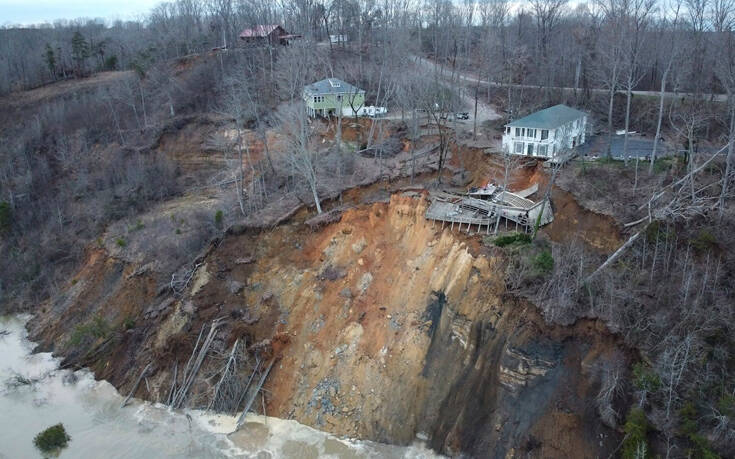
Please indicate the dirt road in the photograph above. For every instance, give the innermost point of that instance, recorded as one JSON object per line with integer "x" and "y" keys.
{"x": 485, "y": 111}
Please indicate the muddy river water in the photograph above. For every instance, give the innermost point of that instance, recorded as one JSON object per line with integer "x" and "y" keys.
{"x": 35, "y": 394}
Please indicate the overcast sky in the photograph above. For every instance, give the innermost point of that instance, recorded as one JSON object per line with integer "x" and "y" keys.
{"x": 37, "y": 11}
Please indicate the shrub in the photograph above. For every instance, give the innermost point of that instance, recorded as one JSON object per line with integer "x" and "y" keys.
{"x": 636, "y": 427}
{"x": 519, "y": 238}
{"x": 97, "y": 328}
{"x": 139, "y": 225}
{"x": 689, "y": 428}
{"x": 218, "y": 218}
{"x": 128, "y": 323}
{"x": 644, "y": 378}
{"x": 121, "y": 242}
{"x": 111, "y": 63}
{"x": 51, "y": 439}
{"x": 6, "y": 217}
{"x": 544, "y": 262}
{"x": 653, "y": 230}
{"x": 726, "y": 405}
{"x": 704, "y": 240}
{"x": 662, "y": 165}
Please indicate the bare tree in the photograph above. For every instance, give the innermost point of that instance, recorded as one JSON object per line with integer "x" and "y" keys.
{"x": 235, "y": 106}
{"x": 635, "y": 19}
{"x": 299, "y": 155}
{"x": 439, "y": 101}
{"x": 726, "y": 74}
{"x": 547, "y": 14}
{"x": 612, "y": 52}
{"x": 671, "y": 51}
{"x": 687, "y": 118}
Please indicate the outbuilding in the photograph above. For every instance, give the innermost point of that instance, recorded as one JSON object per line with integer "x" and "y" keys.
{"x": 261, "y": 34}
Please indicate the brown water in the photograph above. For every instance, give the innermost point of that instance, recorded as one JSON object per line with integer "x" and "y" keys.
{"x": 35, "y": 394}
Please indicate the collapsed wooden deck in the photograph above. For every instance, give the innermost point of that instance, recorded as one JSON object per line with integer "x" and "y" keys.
{"x": 487, "y": 206}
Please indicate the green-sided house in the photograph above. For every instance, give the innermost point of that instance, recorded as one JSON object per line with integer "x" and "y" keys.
{"x": 327, "y": 97}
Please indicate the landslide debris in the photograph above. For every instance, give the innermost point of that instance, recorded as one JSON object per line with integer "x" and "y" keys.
{"x": 384, "y": 326}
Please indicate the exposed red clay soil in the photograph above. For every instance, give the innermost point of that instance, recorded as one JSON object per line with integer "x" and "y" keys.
{"x": 571, "y": 221}
{"x": 385, "y": 326}
{"x": 488, "y": 167}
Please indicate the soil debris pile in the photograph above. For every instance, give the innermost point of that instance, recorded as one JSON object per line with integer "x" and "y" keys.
{"x": 385, "y": 327}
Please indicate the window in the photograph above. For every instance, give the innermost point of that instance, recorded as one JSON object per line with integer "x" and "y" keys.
{"x": 507, "y": 130}
{"x": 519, "y": 147}
{"x": 531, "y": 133}
{"x": 523, "y": 132}
{"x": 518, "y": 132}
{"x": 543, "y": 150}
{"x": 544, "y": 134}
{"x": 530, "y": 149}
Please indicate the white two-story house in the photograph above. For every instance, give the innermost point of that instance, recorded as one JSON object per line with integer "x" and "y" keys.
{"x": 549, "y": 133}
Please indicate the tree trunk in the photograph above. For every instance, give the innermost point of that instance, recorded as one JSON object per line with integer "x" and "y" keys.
{"x": 610, "y": 122}
{"x": 414, "y": 128}
{"x": 477, "y": 93}
{"x": 577, "y": 74}
{"x": 660, "y": 117}
{"x": 316, "y": 197}
{"x": 142, "y": 103}
{"x": 728, "y": 162}
{"x": 691, "y": 162}
{"x": 628, "y": 95}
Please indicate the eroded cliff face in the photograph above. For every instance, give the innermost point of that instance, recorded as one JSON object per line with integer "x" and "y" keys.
{"x": 386, "y": 328}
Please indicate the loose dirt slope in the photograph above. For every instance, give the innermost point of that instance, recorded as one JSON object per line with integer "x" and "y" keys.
{"x": 385, "y": 326}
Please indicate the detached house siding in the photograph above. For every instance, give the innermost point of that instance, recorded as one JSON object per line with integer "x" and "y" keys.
{"x": 328, "y": 97}
{"x": 548, "y": 133}
{"x": 332, "y": 101}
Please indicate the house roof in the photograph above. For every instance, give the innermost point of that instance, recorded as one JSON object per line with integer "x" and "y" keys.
{"x": 259, "y": 30}
{"x": 331, "y": 86}
{"x": 549, "y": 118}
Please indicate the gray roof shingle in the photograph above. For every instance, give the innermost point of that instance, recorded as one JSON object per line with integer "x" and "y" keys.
{"x": 331, "y": 86}
{"x": 549, "y": 118}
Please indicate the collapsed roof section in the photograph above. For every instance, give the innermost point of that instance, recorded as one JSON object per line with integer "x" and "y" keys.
{"x": 483, "y": 206}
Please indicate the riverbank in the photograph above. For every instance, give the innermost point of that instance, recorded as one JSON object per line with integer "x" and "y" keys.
{"x": 35, "y": 393}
